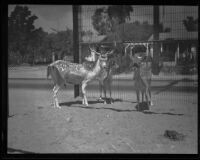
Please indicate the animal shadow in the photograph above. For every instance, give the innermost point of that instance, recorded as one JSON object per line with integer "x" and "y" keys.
{"x": 77, "y": 102}
{"x": 108, "y": 100}
{"x": 142, "y": 106}
{"x": 144, "y": 110}
{"x": 70, "y": 104}
{"x": 90, "y": 102}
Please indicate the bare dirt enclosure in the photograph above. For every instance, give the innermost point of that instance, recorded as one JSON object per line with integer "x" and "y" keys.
{"x": 35, "y": 126}
{"x": 142, "y": 44}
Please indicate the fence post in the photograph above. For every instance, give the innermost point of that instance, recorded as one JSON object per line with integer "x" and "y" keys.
{"x": 76, "y": 42}
{"x": 156, "y": 46}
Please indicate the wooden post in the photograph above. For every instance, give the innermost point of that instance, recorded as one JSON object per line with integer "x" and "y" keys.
{"x": 53, "y": 56}
{"x": 161, "y": 48}
{"x": 156, "y": 46}
{"x": 76, "y": 42}
{"x": 177, "y": 55}
{"x": 178, "y": 52}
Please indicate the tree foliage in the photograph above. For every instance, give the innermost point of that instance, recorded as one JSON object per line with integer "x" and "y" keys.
{"x": 100, "y": 21}
{"x": 191, "y": 24}
{"x": 62, "y": 42}
{"x": 21, "y": 30}
{"x": 87, "y": 33}
{"x": 118, "y": 14}
{"x": 105, "y": 20}
{"x": 112, "y": 22}
{"x": 135, "y": 31}
{"x": 29, "y": 44}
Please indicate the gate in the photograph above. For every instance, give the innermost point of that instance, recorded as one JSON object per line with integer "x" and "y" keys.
{"x": 169, "y": 32}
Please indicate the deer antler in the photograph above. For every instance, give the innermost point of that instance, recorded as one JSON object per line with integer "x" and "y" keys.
{"x": 109, "y": 53}
{"x": 104, "y": 58}
{"x": 90, "y": 48}
{"x": 94, "y": 51}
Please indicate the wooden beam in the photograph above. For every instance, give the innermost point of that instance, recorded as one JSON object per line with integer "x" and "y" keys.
{"x": 76, "y": 42}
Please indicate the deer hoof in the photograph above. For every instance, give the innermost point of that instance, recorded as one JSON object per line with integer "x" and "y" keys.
{"x": 83, "y": 101}
{"x": 105, "y": 102}
{"x": 57, "y": 106}
{"x": 111, "y": 101}
{"x": 151, "y": 103}
{"x": 100, "y": 99}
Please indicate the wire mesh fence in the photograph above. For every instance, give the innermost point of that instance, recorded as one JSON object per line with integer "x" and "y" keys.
{"x": 118, "y": 26}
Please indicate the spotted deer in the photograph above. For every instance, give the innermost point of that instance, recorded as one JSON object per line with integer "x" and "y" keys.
{"x": 142, "y": 78}
{"x": 63, "y": 72}
{"x": 105, "y": 77}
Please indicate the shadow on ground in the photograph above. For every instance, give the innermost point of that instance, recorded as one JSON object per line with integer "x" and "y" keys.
{"x": 166, "y": 113}
{"x": 171, "y": 84}
{"x": 71, "y": 104}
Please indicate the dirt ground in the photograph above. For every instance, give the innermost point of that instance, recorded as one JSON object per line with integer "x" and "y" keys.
{"x": 35, "y": 126}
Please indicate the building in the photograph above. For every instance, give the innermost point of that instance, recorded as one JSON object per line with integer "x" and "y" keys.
{"x": 176, "y": 43}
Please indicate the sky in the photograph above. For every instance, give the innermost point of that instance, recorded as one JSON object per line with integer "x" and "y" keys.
{"x": 50, "y": 16}
{"x": 60, "y": 16}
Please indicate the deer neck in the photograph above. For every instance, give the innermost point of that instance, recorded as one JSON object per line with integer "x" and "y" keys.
{"x": 137, "y": 72}
{"x": 97, "y": 68}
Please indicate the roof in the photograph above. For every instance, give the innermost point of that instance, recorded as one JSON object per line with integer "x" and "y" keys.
{"x": 177, "y": 35}
{"x": 112, "y": 37}
{"x": 93, "y": 39}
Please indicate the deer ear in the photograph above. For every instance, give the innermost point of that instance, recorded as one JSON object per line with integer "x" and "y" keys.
{"x": 109, "y": 53}
{"x": 92, "y": 50}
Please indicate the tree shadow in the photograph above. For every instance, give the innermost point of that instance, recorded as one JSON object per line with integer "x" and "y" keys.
{"x": 171, "y": 84}
{"x": 165, "y": 113}
{"x": 12, "y": 150}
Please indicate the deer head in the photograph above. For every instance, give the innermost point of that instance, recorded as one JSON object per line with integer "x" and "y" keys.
{"x": 135, "y": 58}
{"x": 101, "y": 57}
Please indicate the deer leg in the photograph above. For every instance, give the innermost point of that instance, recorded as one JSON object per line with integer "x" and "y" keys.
{"x": 84, "y": 94}
{"x": 142, "y": 96}
{"x": 138, "y": 99}
{"x": 109, "y": 86}
{"x": 138, "y": 96}
{"x": 104, "y": 90}
{"x": 83, "y": 100}
{"x": 55, "y": 91}
{"x": 100, "y": 90}
{"x": 149, "y": 91}
{"x": 146, "y": 96}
